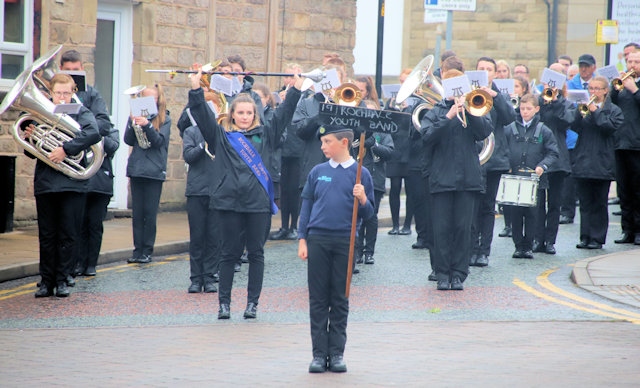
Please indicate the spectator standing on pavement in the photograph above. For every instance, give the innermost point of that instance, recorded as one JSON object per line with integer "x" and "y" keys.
{"x": 147, "y": 170}
{"x": 324, "y": 231}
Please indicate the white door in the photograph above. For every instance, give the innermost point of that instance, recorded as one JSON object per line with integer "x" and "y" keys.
{"x": 113, "y": 58}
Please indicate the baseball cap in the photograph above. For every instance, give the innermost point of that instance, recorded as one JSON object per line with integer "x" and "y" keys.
{"x": 587, "y": 59}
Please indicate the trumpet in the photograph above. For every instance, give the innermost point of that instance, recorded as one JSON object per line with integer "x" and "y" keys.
{"x": 141, "y": 137}
{"x": 616, "y": 83}
{"x": 584, "y": 108}
{"x": 548, "y": 94}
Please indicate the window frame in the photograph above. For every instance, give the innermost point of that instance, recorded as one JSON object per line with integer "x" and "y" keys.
{"x": 24, "y": 49}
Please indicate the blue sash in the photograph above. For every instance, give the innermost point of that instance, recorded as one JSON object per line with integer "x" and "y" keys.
{"x": 252, "y": 158}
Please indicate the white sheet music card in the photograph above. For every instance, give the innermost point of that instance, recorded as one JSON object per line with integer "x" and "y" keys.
{"x": 505, "y": 86}
{"x": 609, "y": 72}
{"x": 220, "y": 83}
{"x": 143, "y": 106}
{"x": 577, "y": 95}
{"x": 456, "y": 86}
{"x": 330, "y": 81}
{"x": 553, "y": 78}
{"x": 68, "y": 109}
{"x": 236, "y": 86}
{"x": 213, "y": 108}
{"x": 478, "y": 78}
{"x": 390, "y": 91}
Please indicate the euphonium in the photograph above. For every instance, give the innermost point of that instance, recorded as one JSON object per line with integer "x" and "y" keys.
{"x": 143, "y": 142}
{"x": 548, "y": 94}
{"x": 348, "y": 94}
{"x": 616, "y": 83}
{"x": 52, "y": 130}
{"x": 584, "y": 108}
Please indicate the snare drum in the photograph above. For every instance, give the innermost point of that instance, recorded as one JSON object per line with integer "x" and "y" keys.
{"x": 518, "y": 190}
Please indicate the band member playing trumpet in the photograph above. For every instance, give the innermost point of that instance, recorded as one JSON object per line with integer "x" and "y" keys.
{"x": 628, "y": 152}
{"x": 60, "y": 199}
{"x": 455, "y": 180}
{"x": 594, "y": 163}
{"x": 242, "y": 193}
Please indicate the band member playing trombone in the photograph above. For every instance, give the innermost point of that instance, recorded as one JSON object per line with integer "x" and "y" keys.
{"x": 594, "y": 162}
{"x": 455, "y": 180}
{"x": 628, "y": 151}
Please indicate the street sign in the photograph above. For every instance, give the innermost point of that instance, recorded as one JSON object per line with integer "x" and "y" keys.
{"x": 451, "y": 5}
{"x": 432, "y": 16}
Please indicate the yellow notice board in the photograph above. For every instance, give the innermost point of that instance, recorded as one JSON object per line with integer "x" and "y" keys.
{"x": 606, "y": 32}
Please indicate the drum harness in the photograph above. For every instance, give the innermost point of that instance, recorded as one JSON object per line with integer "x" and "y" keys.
{"x": 514, "y": 129}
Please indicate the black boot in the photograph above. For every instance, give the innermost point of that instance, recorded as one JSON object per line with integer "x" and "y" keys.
{"x": 224, "y": 312}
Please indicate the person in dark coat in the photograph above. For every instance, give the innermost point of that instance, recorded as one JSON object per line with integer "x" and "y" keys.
{"x": 147, "y": 171}
{"x": 59, "y": 198}
{"x": 455, "y": 180}
{"x": 594, "y": 163}
{"x": 242, "y": 191}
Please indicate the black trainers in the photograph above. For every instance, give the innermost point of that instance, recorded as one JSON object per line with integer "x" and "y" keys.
{"x": 251, "y": 311}
{"x": 210, "y": 287}
{"x": 195, "y": 287}
{"x": 368, "y": 259}
{"x": 318, "y": 365}
{"x": 44, "y": 291}
{"x": 224, "y": 312}
{"x": 145, "y": 259}
{"x": 337, "y": 364}
{"x": 62, "y": 291}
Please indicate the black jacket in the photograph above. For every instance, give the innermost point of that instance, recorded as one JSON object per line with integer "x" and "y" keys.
{"x": 93, "y": 101}
{"x": 48, "y": 180}
{"x": 235, "y": 187}
{"x": 378, "y": 149}
{"x": 201, "y": 166}
{"x": 594, "y": 155}
{"x": 628, "y": 137}
{"x": 305, "y": 123}
{"x": 152, "y": 162}
{"x": 102, "y": 181}
{"x": 559, "y": 115}
{"x": 501, "y": 114}
{"x": 450, "y": 149}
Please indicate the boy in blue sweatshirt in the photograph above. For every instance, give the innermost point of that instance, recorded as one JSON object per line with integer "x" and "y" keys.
{"x": 324, "y": 231}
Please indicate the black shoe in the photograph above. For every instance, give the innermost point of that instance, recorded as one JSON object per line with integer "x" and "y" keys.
{"x": 482, "y": 261}
{"x": 432, "y": 276}
{"x": 456, "y": 284}
{"x": 583, "y": 244}
{"x": 336, "y": 364}
{"x": 594, "y": 245}
{"x": 566, "y": 220}
{"x": 224, "y": 312}
{"x": 145, "y": 259}
{"x": 472, "y": 260}
{"x": 368, "y": 259}
{"x": 318, "y": 365}
{"x": 44, "y": 291}
{"x": 394, "y": 231}
{"x": 281, "y": 234}
{"x": 405, "y": 232}
{"x": 506, "y": 232}
{"x": 355, "y": 270}
{"x": 527, "y": 254}
{"x": 518, "y": 254}
{"x": 70, "y": 281}
{"x": 293, "y": 234}
{"x": 62, "y": 291}
{"x": 443, "y": 285}
{"x": 251, "y": 311}
{"x": 359, "y": 259}
{"x": 237, "y": 267}
{"x": 90, "y": 271}
{"x": 550, "y": 249}
{"x": 210, "y": 287}
{"x": 195, "y": 287}
{"x": 133, "y": 260}
{"x": 244, "y": 259}
{"x": 419, "y": 245}
{"x": 626, "y": 238}
{"x": 537, "y": 246}
{"x": 78, "y": 271}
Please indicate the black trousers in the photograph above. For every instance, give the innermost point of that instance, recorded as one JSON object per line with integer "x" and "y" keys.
{"x": 328, "y": 257}
{"x": 549, "y": 201}
{"x": 523, "y": 220}
{"x": 145, "y": 197}
{"x": 289, "y": 193}
{"x": 485, "y": 215}
{"x": 368, "y": 232}
{"x": 417, "y": 199}
{"x": 594, "y": 211}
{"x": 59, "y": 217}
{"x": 239, "y": 230}
{"x": 452, "y": 216}
{"x": 91, "y": 231}
{"x": 569, "y": 196}
{"x": 628, "y": 181}
{"x": 204, "y": 245}
{"x": 394, "y": 203}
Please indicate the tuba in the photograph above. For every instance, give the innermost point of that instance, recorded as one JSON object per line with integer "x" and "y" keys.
{"x": 52, "y": 130}
{"x": 141, "y": 137}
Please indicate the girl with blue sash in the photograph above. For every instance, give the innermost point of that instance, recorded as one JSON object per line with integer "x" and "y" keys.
{"x": 242, "y": 193}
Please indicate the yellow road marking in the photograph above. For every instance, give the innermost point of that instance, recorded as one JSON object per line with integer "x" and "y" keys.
{"x": 550, "y": 298}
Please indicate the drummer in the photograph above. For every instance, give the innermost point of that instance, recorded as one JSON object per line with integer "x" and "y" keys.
{"x": 533, "y": 149}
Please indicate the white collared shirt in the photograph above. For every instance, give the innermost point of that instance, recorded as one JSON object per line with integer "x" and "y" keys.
{"x": 344, "y": 165}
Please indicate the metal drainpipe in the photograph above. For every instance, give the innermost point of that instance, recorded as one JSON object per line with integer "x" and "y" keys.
{"x": 552, "y": 30}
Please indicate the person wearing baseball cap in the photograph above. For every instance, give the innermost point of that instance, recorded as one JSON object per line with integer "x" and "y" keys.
{"x": 587, "y": 66}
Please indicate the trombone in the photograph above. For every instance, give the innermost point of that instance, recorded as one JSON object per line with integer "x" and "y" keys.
{"x": 584, "y": 108}
{"x": 616, "y": 83}
{"x": 316, "y": 75}
{"x": 477, "y": 102}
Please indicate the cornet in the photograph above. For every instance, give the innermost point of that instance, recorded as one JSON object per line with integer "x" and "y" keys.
{"x": 584, "y": 108}
{"x": 143, "y": 142}
{"x": 616, "y": 83}
{"x": 548, "y": 94}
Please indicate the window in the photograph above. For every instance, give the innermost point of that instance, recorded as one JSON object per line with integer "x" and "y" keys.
{"x": 16, "y": 35}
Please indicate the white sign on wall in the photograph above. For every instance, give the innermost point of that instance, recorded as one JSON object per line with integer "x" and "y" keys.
{"x": 451, "y": 5}
{"x": 626, "y": 12}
